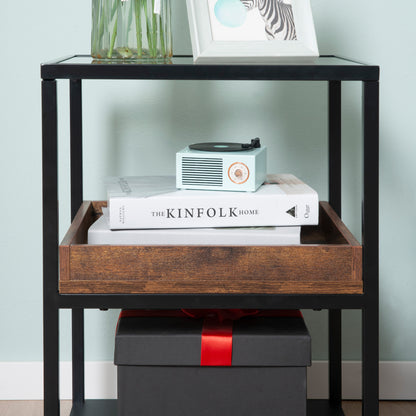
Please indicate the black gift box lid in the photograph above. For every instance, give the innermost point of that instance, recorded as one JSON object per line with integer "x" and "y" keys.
{"x": 176, "y": 341}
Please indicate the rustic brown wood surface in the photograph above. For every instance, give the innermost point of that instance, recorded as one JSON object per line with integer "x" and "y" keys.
{"x": 77, "y": 232}
{"x": 80, "y": 286}
{"x": 332, "y": 226}
{"x": 334, "y": 266}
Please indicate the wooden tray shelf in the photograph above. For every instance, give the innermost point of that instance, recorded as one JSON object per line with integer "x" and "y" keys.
{"x": 329, "y": 261}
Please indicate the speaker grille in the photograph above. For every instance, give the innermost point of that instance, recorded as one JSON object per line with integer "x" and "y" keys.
{"x": 202, "y": 171}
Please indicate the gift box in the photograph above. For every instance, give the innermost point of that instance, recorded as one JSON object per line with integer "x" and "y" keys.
{"x": 187, "y": 363}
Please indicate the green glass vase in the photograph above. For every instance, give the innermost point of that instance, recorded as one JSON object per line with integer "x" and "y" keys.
{"x": 131, "y": 29}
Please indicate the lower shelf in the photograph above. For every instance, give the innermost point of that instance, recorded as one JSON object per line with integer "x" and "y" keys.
{"x": 328, "y": 261}
{"x": 109, "y": 408}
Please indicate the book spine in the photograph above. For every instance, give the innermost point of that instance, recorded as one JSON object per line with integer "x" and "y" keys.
{"x": 276, "y": 210}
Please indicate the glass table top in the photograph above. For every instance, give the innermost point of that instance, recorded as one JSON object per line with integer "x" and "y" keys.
{"x": 187, "y": 60}
{"x": 182, "y": 67}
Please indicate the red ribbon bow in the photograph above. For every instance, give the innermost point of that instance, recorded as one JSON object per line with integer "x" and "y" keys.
{"x": 217, "y": 333}
{"x": 217, "y": 329}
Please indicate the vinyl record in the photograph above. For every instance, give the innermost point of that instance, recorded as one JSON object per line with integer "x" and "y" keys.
{"x": 225, "y": 146}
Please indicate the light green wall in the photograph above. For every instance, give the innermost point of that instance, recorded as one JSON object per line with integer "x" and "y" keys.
{"x": 124, "y": 118}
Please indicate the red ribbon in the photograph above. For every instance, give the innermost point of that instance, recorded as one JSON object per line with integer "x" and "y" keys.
{"x": 217, "y": 329}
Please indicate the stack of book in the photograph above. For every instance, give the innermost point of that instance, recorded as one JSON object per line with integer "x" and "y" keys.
{"x": 150, "y": 210}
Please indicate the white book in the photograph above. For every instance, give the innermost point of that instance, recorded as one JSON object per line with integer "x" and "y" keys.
{"x": 154, "y": 202}
{"x": 100, "y": 233}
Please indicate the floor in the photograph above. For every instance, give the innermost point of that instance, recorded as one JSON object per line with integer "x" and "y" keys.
{"x": 34, "y": 408}
{"x": 29, "y": 408}
{"x": 386, "y": 408}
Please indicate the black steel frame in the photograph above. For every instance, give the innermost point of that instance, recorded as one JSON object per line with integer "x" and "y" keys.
{"x": 334, "y": 74}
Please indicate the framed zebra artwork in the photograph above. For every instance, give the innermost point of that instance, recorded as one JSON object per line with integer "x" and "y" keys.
{"x": 251, "y": 31}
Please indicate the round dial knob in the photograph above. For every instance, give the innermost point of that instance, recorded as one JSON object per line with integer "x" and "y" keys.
{"x": 238, "y": 172}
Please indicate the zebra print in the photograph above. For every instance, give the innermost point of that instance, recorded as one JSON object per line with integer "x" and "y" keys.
{"x": 277, "y": 16}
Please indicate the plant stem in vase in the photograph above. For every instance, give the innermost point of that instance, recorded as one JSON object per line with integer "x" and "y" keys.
{"x": 154, "y": 30}
{"x": 138, "y": 7}
{"x": 162, "y": 37}
{"x": 113, "y": 40}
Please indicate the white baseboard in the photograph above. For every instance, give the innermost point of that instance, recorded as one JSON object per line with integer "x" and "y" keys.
{"x": 397, "y": 380}
{"x": 24, "y": 380}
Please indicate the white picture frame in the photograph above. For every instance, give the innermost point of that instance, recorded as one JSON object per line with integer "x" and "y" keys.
{"x": 213, "y": 45}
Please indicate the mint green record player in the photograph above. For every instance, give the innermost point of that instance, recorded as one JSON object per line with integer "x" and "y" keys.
{"x": 222, "y": 166}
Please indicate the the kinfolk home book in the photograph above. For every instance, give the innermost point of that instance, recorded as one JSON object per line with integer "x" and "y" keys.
{"x": 154, "y": 202}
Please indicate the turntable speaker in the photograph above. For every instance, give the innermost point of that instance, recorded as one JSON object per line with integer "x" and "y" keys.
{"x": 222, "y": 166}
